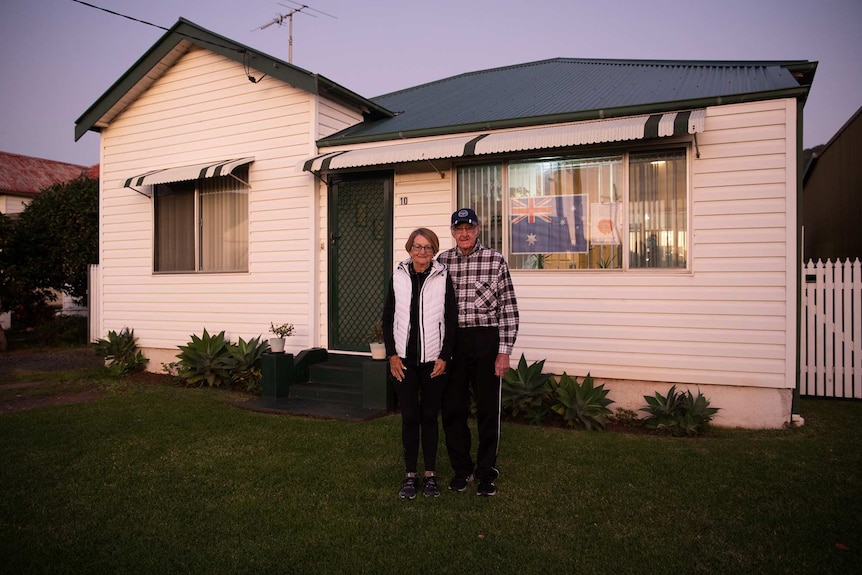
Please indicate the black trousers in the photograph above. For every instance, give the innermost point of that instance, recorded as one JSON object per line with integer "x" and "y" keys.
{"x": 471, "y": 371}
{"x": 419, "y": 396}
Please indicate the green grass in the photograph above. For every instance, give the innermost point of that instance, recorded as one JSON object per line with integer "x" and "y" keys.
{"x": 157, "y": 479}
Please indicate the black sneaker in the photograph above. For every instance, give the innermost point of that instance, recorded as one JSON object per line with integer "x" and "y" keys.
{"x": 408, "y": 488}
{"x": 460, "y": 483}
{"x": 431, "y": 489}
{"x": 486, "y": 489}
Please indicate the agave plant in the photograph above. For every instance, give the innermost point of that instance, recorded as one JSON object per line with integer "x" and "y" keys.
{"x": 696, "y": 413}
{"x": 205, "y": 359}
{"x": 678, "y": 412}
{"x": 524, "y": 390}
{"x": 663, "y": 410}
{"x": 121, "y": 352}
{"x": 246, "y": 359}
{"x": 582, "y": 404}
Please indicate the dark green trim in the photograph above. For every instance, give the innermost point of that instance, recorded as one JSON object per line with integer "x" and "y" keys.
{"x": 187, "y": 31}
{"x": 470, "y": 147}
{"x": 639, "y": 110}
{"x": 797, "y": 258}
{"x": 680, "y": 123}
{"x": 388, "y": 177}
{"x": 651, "y": 127}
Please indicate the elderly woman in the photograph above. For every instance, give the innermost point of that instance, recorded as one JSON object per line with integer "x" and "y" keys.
{"x": 420, "y": 317}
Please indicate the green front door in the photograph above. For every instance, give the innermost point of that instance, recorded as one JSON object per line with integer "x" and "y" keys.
{"x": 360, "y": 256}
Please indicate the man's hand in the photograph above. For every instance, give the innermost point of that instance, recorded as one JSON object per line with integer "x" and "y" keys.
{"x": 501, "y": 364}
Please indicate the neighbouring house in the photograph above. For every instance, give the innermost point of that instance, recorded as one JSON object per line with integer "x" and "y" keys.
{"x": 832, "y": 197}
{"x": 649, "y": 209}
{"x": 21, "y": 180}
{"x": 23, "y": 177}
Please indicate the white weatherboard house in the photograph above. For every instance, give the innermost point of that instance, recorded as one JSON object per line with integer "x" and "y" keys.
{"x": 649, "y": 210}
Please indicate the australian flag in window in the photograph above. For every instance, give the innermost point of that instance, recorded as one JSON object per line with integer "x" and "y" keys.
{"x": 548, "y": 224}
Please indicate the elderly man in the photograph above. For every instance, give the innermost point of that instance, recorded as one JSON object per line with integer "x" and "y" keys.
{"x": 487, "y": 328}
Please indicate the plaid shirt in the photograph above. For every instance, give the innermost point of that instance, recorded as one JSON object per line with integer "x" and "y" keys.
{"x": 483, "y": 287}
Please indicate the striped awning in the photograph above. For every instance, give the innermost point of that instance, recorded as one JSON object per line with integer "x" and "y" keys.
{"x": 184, "y": 173}
{"x": 390, "y": 154}
{"x": 517, "y": 140}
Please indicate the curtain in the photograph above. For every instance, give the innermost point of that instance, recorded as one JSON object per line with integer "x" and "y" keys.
{"x": 174, "y": 227}
{"x": 658, "y": 210}
{"x": 224, "y": 224}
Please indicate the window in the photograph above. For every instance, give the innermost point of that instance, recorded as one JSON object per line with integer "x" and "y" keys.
{"x": 571, "y": 212}
{"x": 220, "y": 240}
{"x": 658, "y": 210}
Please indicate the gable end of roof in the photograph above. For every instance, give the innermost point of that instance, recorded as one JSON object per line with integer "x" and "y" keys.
{"x": 176, "y": 42}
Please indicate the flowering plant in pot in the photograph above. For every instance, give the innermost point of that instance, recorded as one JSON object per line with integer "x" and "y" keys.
{"x": 378, "y": 348}
{"x": 281, "y": 331}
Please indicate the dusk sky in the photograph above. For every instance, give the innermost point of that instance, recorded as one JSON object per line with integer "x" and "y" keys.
{"x": 57, "y": 57}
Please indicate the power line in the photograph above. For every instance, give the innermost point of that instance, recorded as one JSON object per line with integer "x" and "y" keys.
{"x": 138, "y": 20}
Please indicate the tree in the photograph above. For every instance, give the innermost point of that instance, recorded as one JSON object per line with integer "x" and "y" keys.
{"x": 50, "y": 246}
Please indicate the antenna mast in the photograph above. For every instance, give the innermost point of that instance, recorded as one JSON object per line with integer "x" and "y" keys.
{"x": 299, "y": 8}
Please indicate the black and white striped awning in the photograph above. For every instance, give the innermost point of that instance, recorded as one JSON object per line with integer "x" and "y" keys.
{"x": 517, "y": 140}
{"x": 184, "y": 173}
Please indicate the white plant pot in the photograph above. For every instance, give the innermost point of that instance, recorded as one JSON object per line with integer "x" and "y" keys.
{"x": 276, "y": 344}
{"x": 378, "y": 350}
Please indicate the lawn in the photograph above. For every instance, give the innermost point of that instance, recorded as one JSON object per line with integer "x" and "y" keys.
{"x": 163, "y": 479}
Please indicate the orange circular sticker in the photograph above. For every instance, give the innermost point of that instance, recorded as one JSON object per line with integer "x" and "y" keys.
{"x": 605, "y": 226}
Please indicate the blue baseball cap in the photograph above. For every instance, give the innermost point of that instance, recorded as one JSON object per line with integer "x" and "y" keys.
{"x": 465, "y": 216}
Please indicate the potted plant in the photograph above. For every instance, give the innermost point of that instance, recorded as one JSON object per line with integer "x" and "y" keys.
{"x": 378, "y": 348}
{"x": 281, "y": 331}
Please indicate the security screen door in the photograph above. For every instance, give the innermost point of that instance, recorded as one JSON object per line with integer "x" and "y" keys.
{"x": 360, "y": 256}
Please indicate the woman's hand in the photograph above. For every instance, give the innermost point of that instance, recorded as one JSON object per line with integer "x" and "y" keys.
{"x": 439, "y": 368}
{"x": 396, "y": 367}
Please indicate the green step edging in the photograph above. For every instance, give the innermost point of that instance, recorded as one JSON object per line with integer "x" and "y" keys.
{"x": 317, "y": 375}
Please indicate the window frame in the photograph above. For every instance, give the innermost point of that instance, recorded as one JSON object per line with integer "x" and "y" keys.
{"x": 197, "y": 224}
{"x": 668, "y": 144}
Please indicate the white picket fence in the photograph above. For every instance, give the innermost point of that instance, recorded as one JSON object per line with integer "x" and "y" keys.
{"x": 831, "y": 330}
{"x": 94, "y": 303}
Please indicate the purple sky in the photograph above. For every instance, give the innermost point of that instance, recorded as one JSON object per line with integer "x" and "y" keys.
{"x": 58, "y": 56}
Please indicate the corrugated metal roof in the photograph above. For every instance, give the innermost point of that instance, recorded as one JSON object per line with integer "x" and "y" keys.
{"x": 182, "y": 173}
{"x": 563, "y": 89}
{"x": 391, "y": 154}
{"x": 585, "y": 133}
{"x": 26, "y": 175}
{"x": 502, "y": 141}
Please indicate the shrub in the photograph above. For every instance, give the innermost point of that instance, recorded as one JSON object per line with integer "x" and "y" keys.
{"x": 524, "y": 391}
{"x": 205, "y": 360}
{"x": 581, "y": 404}
{"x": 122, "y": 353}
{"x": 216, "y": 362}
{"x": 679, "y": 413}
{"x": 625, "y": 418}
{"x": 246, "y": 356}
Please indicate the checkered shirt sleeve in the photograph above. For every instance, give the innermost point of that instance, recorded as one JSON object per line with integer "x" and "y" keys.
{"x": 486, "y": 296}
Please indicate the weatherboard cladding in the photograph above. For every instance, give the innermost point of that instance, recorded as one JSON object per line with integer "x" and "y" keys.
{"x": 562, "y": 86}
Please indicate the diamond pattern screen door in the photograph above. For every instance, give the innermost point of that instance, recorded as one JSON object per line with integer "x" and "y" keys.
{"x": 360, "y": 256}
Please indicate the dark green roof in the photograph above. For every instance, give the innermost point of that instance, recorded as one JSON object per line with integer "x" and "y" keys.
{"x": 564, "y": 89}
{"x": 176, "y": 42}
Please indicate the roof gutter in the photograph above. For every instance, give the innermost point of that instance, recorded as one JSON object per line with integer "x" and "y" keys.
{"x": 800, "y": 93}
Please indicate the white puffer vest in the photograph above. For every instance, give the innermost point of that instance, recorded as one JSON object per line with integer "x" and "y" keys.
{"x": 432, "y": 302}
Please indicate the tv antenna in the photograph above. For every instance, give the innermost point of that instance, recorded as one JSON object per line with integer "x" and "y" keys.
{"x": 297, "y": 8}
